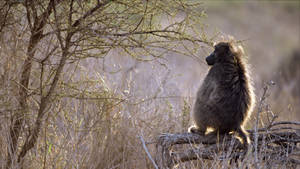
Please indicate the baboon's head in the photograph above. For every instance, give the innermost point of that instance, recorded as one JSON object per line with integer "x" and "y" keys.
{"x": 224, "y": 52}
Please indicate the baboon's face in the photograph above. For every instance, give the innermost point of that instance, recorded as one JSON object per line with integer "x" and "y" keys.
{"x": 221, "y": 52}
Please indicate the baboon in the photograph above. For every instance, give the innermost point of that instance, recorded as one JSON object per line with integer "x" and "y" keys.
{"x": 225, "y": 99}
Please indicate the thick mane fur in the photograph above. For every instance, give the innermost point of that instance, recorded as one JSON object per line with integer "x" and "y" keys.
{"x": 225, "y": 99}
{"x": 244, "y": 75}
{"x": 240, "y": 97}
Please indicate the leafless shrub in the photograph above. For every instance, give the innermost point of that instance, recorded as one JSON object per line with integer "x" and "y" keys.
{"x": 57, "y": 109}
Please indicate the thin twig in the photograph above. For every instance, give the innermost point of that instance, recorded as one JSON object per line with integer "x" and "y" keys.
{"x": 256, "y": 126}
{"x": 147, "y": 152}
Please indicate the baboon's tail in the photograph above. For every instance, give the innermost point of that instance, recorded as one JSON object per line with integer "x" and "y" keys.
{"x": 244, "y": 135}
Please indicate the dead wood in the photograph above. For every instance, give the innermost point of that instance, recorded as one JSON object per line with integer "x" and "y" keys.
{"x": 279, "y": 141}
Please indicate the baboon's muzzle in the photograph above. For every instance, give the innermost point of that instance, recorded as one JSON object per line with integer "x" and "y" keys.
{"x": 210, "y": 60}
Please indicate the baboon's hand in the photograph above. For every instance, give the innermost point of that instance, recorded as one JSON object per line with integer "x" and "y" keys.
{"x": 195, "y": 130}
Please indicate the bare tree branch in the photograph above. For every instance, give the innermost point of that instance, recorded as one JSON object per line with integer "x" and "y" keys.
{"x": 35, "y": 38}
{"x": 32, "y": 138}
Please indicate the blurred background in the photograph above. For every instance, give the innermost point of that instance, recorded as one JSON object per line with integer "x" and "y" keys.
{"x": 103, "y": 105}
{"x": 270, "y": 33}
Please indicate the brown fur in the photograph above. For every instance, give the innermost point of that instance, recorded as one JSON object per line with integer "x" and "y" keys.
{"x": 225, "y": 99}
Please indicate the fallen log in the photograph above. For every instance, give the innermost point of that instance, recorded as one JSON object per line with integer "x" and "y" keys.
{"x": 277, "y": 141}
